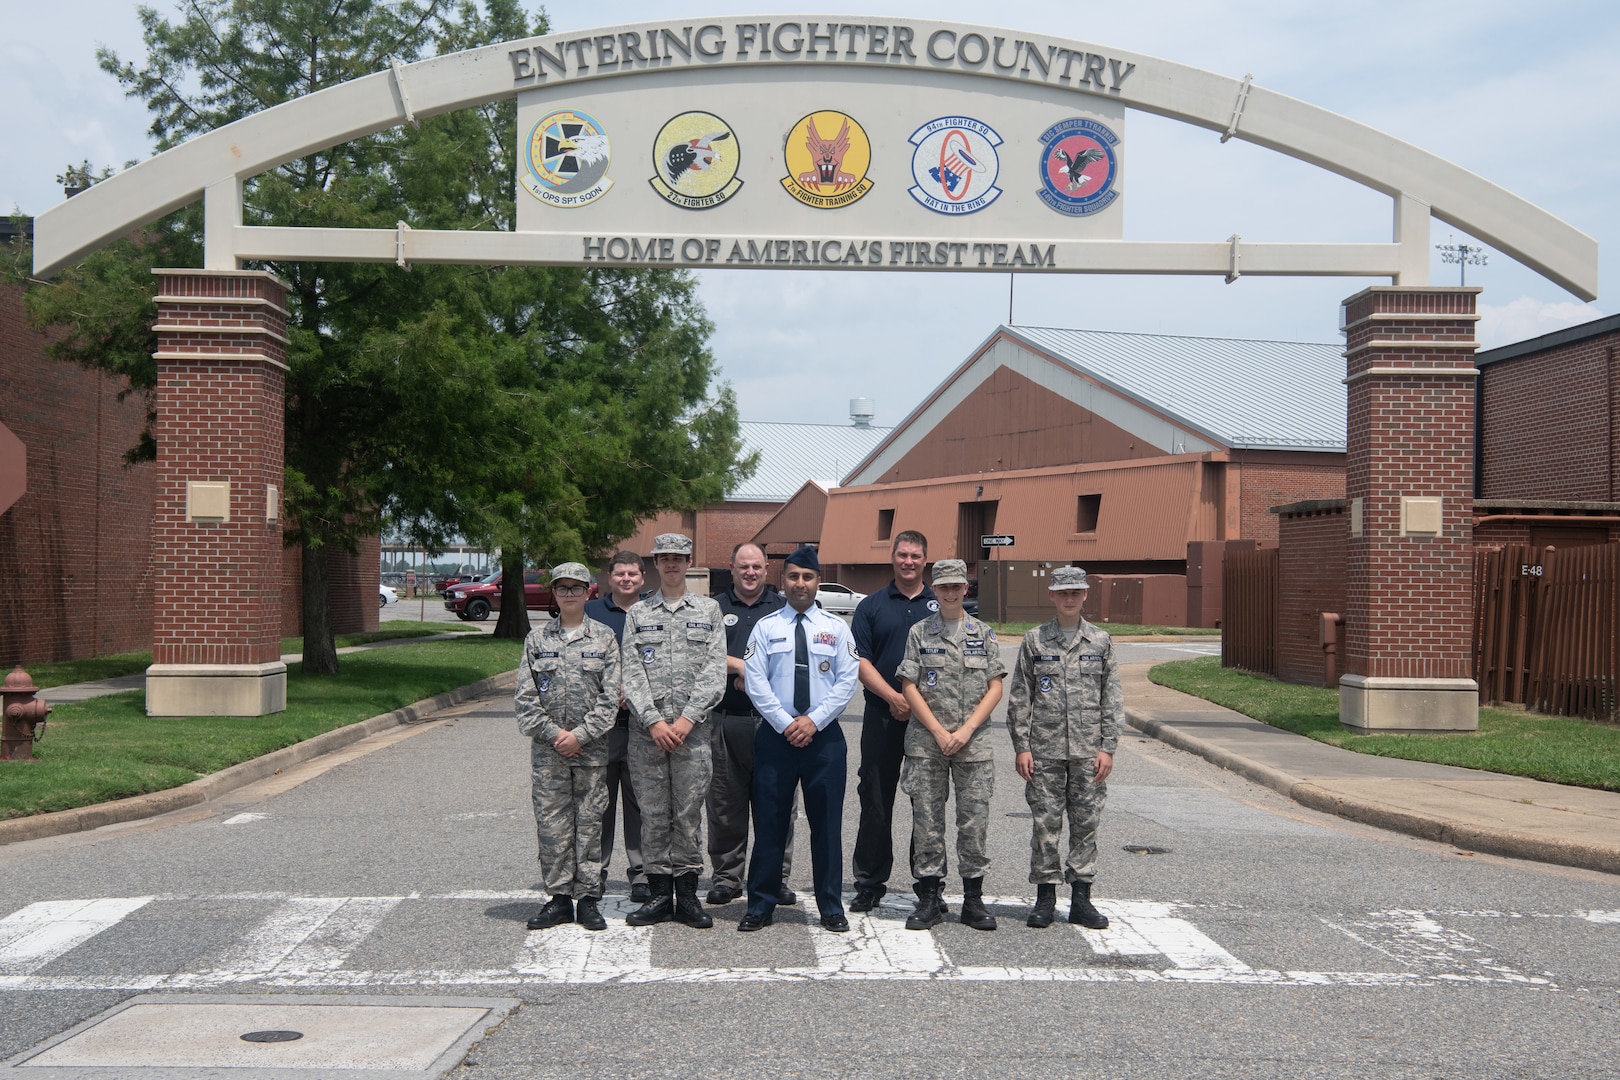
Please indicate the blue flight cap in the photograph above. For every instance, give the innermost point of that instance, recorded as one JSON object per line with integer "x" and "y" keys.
{"x": 805, "y": 557}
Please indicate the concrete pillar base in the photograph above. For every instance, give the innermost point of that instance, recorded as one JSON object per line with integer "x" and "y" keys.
{"x": 1370, "y": 703}
{"x": 216, "y": 689}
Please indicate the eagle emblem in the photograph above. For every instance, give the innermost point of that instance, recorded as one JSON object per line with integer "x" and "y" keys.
{"x": 1078, "y": 166}
{"x": 566, "y": 159}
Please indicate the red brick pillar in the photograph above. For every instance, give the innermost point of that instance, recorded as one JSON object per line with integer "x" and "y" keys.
{"x": 1410, "y": 482}
{"x": 216, "y": 533}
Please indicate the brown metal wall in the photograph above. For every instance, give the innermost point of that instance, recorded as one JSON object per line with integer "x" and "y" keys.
{"x": 798, "y": 522}
{"x": 1011, "y": 423}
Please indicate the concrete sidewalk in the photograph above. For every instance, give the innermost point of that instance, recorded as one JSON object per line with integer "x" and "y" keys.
{"x": 1478, "y": 811}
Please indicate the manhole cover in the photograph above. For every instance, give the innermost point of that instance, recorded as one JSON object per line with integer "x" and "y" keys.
{"x": 1146, "y": 849}
{"x": 272, "y": 1036}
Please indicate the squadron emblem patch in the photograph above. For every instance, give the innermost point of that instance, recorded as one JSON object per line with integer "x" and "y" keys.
{"x": 543, "y": 683}
{"x": 566, "y": 159}
{"x": 954, "y": 165}
{"x": 931, "y": 679}
{"x": 825, "y": 666}
{"x": 730, "y": 620}
{"x": 648, "y": 654}
{"x": 1078, "y": 167}
{"x": 695, "y": 158}
{"x": 1046, "y": 684}
{"x": 827, "y": 156}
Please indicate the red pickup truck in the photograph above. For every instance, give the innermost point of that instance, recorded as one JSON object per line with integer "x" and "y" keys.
{"x": 474, "y": 600}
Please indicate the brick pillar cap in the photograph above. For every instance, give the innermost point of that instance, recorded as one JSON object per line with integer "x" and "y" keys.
{"x": 1407, "y": 290}
{"x": 186, "y": 271}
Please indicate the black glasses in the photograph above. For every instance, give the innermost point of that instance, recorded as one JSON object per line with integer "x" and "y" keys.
{"x": 569, "y": 590}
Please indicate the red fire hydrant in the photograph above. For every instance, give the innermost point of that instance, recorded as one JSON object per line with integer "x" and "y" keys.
{"x": 21, "y": 715}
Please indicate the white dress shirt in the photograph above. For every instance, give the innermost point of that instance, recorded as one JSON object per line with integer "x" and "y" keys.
{"x": 768, "y": 667}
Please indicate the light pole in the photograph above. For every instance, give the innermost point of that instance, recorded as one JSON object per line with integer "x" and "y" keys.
{"x": 1464, "y": 255}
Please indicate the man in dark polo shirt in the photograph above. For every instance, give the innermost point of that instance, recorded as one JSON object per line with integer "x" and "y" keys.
{"x": 882, "y": 622}
{"x": 625, "y": 578}
{"x": 749, "y": 599}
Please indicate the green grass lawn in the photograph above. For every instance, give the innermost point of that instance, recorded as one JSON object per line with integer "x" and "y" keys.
{"x": 111, "y": 666}
{"x": 1560, "y": 749}
{"x": 108, "y": 748}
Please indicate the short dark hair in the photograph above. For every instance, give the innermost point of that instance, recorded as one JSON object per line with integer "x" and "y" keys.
{"x": 626, "y": 557}
{"x": 910, "y": 536}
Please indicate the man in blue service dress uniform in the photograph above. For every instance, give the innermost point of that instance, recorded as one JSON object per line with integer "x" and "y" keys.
{"x": 800, "y": 669}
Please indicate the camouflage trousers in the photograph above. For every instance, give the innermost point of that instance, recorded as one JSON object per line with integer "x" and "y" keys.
{"x": 671, "y": 789}
{"x": 569, "y": 801}
{"x": 928, "y": 781}
{"x": 1056, "y": 787}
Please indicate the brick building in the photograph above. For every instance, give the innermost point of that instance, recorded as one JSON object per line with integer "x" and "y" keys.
{"x": 1114, "y": 451}
{"x": 76, "y": 549}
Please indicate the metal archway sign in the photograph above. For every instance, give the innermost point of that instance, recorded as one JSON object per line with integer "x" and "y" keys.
{"x": 792, "y": 142}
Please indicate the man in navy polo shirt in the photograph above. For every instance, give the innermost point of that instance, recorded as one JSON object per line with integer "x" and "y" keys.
{"x": 882, "y": 622}
{"x": 625, "y": 579}
{"x": 734, "y": 723}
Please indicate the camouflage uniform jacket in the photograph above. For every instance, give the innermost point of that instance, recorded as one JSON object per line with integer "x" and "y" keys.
{"x": 675, "y": 658}
{"x": 953, "y": 675}
{"x": 569, "y": 680}
{"x": 1066, "y": 702}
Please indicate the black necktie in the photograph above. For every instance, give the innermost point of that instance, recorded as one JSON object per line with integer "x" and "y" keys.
{"x": 801, "y": 668}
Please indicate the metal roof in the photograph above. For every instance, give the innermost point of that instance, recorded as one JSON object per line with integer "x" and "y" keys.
{"x": 1264, "y": 395}
{"x": 790, "y": 454}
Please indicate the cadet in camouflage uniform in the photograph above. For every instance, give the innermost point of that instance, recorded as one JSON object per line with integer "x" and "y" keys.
{"x": 674, "y": 675}
{"x": 1064, "y": 716}
{"x": 566, "y": 701}
{"x": 951, "y": 676}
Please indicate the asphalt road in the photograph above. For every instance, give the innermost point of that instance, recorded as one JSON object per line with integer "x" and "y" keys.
{"x": 1263, "y": 940}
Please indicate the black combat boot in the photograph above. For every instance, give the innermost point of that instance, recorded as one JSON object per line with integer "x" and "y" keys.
{"x": 687, "y": 908}
{"x": 1080, "y": 909}
{"x": 1045, "y": 909}
{"x": 588, "y": 915}
{"x": 973, "y": 913}
{"x": 662, "y": 905}
{"x": 927, "y": 914}
{"x": 558, "y": 910}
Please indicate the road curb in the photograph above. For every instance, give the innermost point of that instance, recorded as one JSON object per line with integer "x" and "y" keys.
{"x": 212, "y": 786}
{"x": 1462, "y": 834}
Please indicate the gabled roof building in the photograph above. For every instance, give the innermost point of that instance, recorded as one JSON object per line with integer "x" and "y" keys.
{"x": 1115, "y": 451}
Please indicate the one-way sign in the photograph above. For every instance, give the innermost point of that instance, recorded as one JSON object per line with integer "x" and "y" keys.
{"x": 995, "y": 541}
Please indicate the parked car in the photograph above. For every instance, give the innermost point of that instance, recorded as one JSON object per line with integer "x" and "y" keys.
{"x": 386, "y": 596}
{"x": 838, "y": 599}
{"x": 474, "y": 600}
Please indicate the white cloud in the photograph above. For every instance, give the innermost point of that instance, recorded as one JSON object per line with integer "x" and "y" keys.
{"x": 1528, "y": 317}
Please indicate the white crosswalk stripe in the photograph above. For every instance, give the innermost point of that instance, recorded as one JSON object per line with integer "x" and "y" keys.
{"x": 308, "y": 942}
{"x": 39, "y": 933}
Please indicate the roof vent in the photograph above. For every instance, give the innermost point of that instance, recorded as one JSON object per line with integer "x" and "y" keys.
{"x": 861, "y": 412}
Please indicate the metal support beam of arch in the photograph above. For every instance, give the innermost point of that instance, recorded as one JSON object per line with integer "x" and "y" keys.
{"x": 219, "y": 161}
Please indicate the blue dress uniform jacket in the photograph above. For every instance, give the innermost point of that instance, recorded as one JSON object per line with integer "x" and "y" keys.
{"x": 768, "y": 666}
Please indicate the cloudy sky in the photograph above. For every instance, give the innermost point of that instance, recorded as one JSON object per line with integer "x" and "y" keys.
{"x": 1527, "y": 97}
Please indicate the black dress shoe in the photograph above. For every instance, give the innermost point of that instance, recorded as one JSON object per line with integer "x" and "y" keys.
{"x": 640, "y": 893}
{"x": 867, "y": 897}
{"x": 722, "y": 894}
{"x": 788, "y": 897}
{"x": 838, "y": 924}
{"x": 752, "y": 922}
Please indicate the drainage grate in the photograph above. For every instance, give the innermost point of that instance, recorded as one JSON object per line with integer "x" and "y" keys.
{"x": 272, "y": 1036}
{"x": 1146, "y": 849}
{"x": 1021, "y": 813}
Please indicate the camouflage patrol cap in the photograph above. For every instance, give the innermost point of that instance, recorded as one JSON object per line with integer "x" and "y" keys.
{"x": 571, "y": 571}
{"x": 1064, "y": 578}
{"x": 672, "y": 544}
{"x": 950, "y": 572}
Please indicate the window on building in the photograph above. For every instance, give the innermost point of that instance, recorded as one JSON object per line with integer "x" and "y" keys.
{"x": 1085, "y": 519}
{"x": 885, "y": 524}
{"x": 689, "y": 521}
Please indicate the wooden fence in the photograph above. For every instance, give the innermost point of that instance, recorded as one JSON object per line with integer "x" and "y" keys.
{"x": 1249, "y": 610}
{"x": 1545, "y": 632}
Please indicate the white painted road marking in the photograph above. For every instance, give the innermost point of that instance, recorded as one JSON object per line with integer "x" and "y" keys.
{"x": 306, "y": 941}
{"x": 39, "y": 933}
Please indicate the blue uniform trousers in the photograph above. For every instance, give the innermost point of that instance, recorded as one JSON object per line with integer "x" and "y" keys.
{"x": 820, "y": 769}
